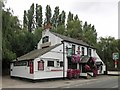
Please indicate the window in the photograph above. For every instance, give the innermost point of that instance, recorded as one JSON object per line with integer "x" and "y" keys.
{"x": 20, "y": 63}
{"x": 78, "y": 51}
{"x": 61, "y": 64}
{"x": 90, "y": 52}
{"x": 45, "y": 39}
{"x": 58, "y": 63}
{"x": 82, "y": 51}
{"x": 69, "y": 52}
{"x": 73, "y": 49}
{"x": 41, "y": 65}
{"x": 50, "y": 64}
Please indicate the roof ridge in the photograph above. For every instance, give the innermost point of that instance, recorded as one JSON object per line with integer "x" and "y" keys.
{"x": 65, "y": 36}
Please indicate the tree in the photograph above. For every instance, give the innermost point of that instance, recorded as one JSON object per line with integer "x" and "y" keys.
{"x": 70, "y": 17}
{"x": 10, "y": 26}
{"x": 105, "y": 48}
{"x": 74, "y": 27}
{"x": 76, "y": 17}
{"x": 48, "y": 15}
{"x": 30, "y": 16}
{"x": 89, "y": 34}
{"x": 25, "y": 20}
{"x": 38, "y": 16}
{"x": 55, "y": 17}
{"x": 63, "y": 16}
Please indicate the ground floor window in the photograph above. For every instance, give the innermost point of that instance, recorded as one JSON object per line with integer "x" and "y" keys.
{"x": 20, "y": 63}
{"x": 61, "y": 63}
{"x": 50, "y": 64}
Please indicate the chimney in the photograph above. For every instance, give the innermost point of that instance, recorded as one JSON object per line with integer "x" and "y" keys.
{"x": 47, "y": 26}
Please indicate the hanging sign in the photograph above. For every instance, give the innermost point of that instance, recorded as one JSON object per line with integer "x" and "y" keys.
{"x": 115, "y": 56}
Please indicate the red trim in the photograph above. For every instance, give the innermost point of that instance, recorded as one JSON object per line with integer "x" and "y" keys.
{"x": 56, "y": 70}
{"x": 31, "y": 67}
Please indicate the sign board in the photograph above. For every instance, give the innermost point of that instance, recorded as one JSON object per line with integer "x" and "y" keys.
{"x": 69, "y": 51}
{"x": 115, "y": 56}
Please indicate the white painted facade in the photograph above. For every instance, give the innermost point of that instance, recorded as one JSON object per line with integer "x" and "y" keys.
{"x": 55, "y": 55}
{"x": 52, "y": 38}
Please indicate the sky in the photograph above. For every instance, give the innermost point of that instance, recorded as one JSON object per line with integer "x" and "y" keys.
{"x": 103, "y": 14}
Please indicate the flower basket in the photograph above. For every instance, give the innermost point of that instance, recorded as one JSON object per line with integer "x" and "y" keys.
{"x": 76, "y": 58}
{"x": 73, "y": 73}
{"x": 70, "y": 73}
{"x": 87, "y": 68}
{"x": 95, "y": 72}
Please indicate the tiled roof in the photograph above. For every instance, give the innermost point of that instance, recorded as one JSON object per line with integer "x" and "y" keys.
{"x": 35, "y": 53}
{"x": 69, "y": 39}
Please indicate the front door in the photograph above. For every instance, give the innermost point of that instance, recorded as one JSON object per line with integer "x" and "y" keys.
{"x": 71, "y": 65}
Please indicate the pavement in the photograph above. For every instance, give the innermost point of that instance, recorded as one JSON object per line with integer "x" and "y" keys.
{"x": 114, "y": 73}
{"x": 7, "y": 82}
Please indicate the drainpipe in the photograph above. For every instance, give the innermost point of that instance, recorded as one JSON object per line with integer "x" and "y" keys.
{"x": 63, "y": 59}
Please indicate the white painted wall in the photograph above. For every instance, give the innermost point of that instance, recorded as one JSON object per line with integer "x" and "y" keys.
{"x": 52, "y": 38}
{"x": 21, "y": 71}
{"x": 99, "y": 59}
{"x": 53, "y": 55}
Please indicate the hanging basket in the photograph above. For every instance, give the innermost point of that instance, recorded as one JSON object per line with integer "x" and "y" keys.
{"x": 75, "y": 58}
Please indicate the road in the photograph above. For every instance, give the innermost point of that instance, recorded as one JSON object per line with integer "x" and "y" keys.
{"x": 103, "y": 81}
{"x": 109, "y": 82}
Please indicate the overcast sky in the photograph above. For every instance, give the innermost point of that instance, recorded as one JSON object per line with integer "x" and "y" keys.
{"x": 101, "y": 13}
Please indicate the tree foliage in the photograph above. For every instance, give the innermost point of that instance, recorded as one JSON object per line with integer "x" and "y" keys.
{"x": 55, "y": 17}
{"x": 48, "y": 14}
{"x": 38, "y": 16}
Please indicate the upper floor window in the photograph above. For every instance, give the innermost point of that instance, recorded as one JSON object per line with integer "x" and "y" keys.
{"x": 45, "y": 39}
{"x": 83, "y": 52}
{"x": 73, "y": 49}
{"x": 90, "y": 52}
{"x": 78, "y": 50}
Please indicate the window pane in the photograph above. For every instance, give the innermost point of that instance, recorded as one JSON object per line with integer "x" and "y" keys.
{"x": 83, "y": 51}
{"x": 45, "y": 39}
{"x": 73, "y": 49}
{"x": 40, "y": 65}
{"x": 90, "y": 52}
{"x": 61, "y": 64}
{"x": 51, "y": 63}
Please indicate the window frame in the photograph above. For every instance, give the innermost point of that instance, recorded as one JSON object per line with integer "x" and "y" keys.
{"x": 40, "y": 68}
{"x": 48, "y": 64}
{"x": 73, "y": 49}
{"x": 83, "y": 51}
{"x": 45, "y": 39}
{"x": 90, "y": 51}
{"x": 61, "y": 64}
